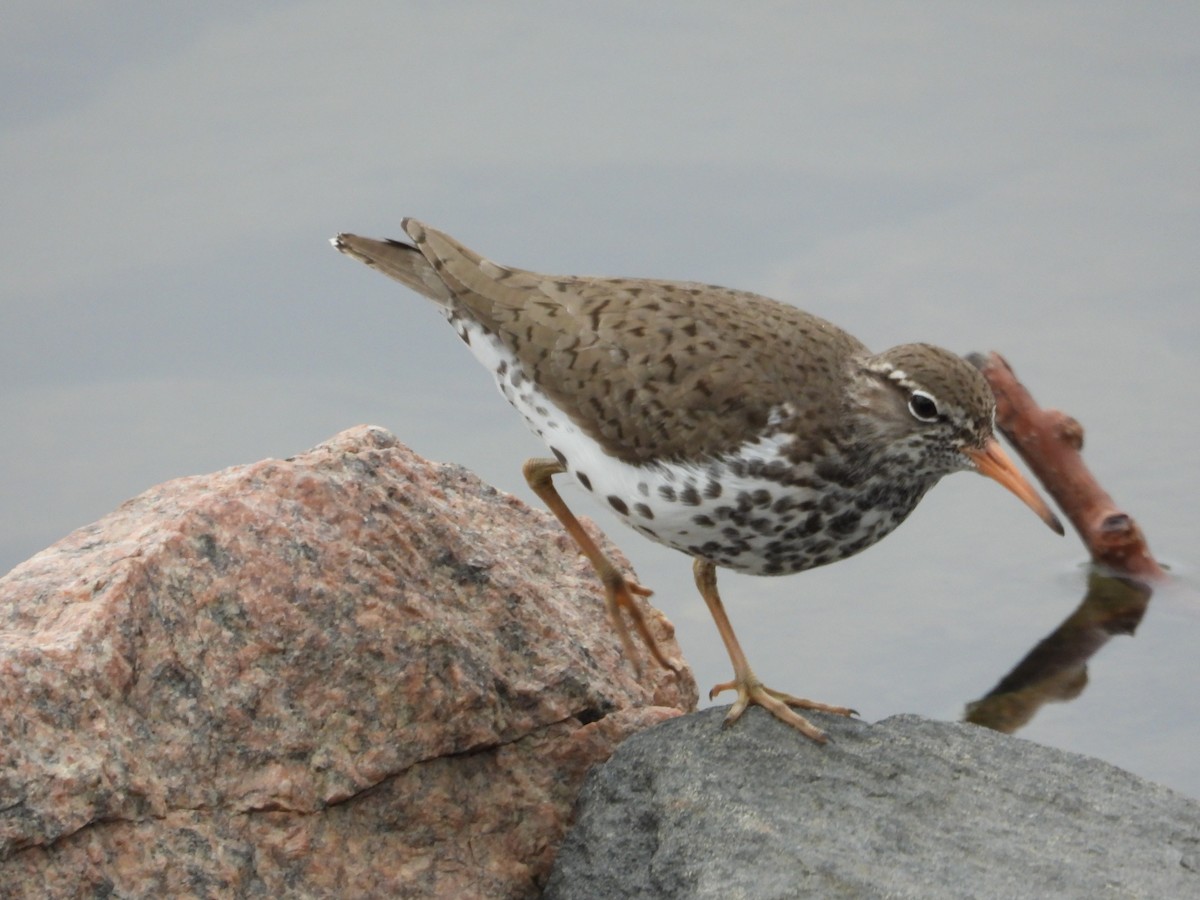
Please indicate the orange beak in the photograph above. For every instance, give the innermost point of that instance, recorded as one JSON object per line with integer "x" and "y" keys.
{"x": 994, "y": 463}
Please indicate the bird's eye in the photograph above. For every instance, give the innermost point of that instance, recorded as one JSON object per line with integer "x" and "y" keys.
{"x": 923, "y": 406}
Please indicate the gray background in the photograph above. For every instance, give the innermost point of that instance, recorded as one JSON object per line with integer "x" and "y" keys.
{"x": 1020, "y": 177}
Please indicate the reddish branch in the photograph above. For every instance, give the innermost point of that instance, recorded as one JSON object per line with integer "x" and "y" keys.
{"x": 1049, "y": 441}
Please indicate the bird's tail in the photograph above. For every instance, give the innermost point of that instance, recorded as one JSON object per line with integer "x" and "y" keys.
{"x": 398, "y": 260}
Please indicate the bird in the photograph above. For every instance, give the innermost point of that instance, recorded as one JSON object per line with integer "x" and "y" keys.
{"x": 740, "y": 430}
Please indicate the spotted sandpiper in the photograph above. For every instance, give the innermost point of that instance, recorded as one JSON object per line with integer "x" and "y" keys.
{"x": 742, "y": 431}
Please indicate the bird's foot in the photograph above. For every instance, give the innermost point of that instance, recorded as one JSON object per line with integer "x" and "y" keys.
{"x": 621, "y": 592}
{"x": 777, "y": 703}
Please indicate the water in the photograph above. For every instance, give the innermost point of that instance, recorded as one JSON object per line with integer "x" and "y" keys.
{"x": 1020, "y": 180}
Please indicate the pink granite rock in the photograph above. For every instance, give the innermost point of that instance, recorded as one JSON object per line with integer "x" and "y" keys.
{"x": 351, "y": 673}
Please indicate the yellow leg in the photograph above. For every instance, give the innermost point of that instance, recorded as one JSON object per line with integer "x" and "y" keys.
{"x": 619, "y": 590}
{"x": 745, "y": 682}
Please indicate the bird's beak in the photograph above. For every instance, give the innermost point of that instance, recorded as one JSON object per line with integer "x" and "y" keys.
{"x": 994, "y": 463}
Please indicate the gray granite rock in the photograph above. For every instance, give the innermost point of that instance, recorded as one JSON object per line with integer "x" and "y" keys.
{"x": 903, "y": 808}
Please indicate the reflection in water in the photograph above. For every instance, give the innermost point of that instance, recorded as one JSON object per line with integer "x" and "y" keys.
{"x": 1056, "y": 669}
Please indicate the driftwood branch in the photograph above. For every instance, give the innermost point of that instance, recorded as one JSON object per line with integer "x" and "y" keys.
{"x": 1050, "y": 442}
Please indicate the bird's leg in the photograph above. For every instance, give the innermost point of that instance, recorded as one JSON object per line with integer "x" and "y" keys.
{"x": 619, "y": 590}
{"x": 745, "y": 682}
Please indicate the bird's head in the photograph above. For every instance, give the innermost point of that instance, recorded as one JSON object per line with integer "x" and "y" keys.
{"x": 936, "y": 409}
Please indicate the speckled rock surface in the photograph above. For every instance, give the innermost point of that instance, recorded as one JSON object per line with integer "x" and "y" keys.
{"x": 351, "y": 673}
{"x": 906, "y": 808}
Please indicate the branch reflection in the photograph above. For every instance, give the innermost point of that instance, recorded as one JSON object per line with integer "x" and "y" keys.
{"x": 1056, "y": 669}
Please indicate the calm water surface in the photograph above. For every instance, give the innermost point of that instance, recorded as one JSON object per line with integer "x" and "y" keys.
{"x": 1021, "y": 180}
